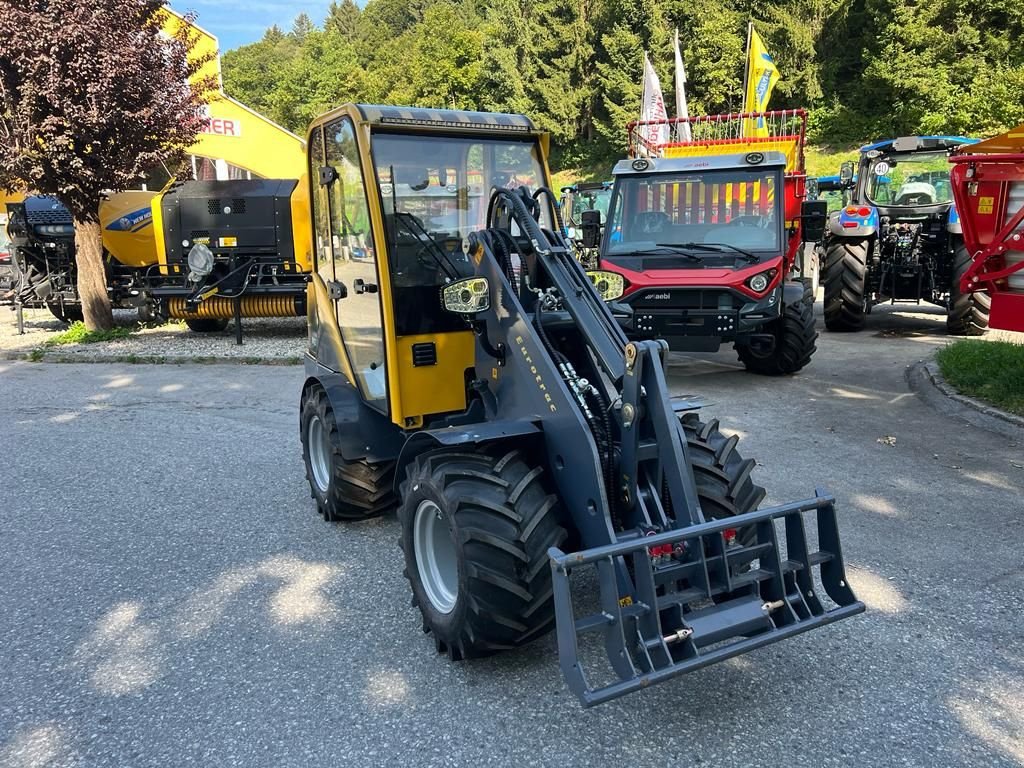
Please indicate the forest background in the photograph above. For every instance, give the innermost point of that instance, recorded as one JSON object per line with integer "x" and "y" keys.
{"x": 865, "y": 69}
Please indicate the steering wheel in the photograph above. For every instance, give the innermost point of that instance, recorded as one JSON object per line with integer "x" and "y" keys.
{"x": 749, "y": 221}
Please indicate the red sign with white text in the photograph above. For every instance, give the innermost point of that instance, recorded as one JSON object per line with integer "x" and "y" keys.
{"x": 220, "y": 127}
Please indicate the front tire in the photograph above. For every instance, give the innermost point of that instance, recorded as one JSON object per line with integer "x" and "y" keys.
{"x": 476, "y": 530}
{"x": 794, "y": 334}
{"x": 724, "y": 486}
{"x": 845, "y": 278}
{"x": 343, "y": 489}
{"x": 968, "y": 312}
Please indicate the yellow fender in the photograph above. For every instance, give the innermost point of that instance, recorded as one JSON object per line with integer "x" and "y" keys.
{"x": 126, "y": 219}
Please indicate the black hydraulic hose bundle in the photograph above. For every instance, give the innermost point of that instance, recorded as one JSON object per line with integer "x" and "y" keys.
{"x": 597, "y": 417}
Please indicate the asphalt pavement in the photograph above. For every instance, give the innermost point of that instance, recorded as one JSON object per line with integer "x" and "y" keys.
{"x": 169, "y": 596}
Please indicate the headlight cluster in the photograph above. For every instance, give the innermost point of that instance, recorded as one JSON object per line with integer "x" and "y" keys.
{"x": 759, "y": 283}
{"x": 611, "y": 285}
{"x": 467, "y": 297}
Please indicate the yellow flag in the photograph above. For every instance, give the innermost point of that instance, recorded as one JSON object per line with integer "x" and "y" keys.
{"x": 762, "y": 75}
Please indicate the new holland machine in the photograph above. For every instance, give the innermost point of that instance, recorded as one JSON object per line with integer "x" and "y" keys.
{"x": 201, "y": 251}
{"x": 704, "y": 234}
{"x": 900, "y": 238}
{"x": 988, "y": 186}
{"x": 468, "y": 373}
{"x": 42, "y": 251}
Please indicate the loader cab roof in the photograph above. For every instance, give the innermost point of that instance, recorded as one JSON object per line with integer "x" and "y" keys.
{"x": 427, "y": 121}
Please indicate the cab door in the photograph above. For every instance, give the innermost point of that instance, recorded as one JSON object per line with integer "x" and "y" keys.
{"x": 347, "y": 256}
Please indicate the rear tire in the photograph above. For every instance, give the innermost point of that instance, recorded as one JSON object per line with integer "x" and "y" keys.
{"x": 343, "y": 490}
{"x": 206, "y": 325}
{"x": 845, "y": 278}
{"x": 968, "y": 312}
{"x": 476, "y": 530}
{"x": 794, "y": 340}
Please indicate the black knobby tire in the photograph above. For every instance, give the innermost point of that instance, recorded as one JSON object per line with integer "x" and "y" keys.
{"x": 795, "y": 335}
{"x": 206, "y": 325}
{"x": 968, "y": 312}
{"x": 67, "y": 313}
{"x": 502, "y": 521}
{"x": 724, "y": 486}
{"x": 355, "y": 490}
{"x": 845, "y": 279}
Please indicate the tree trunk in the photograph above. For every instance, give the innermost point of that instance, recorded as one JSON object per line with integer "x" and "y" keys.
{"x": 92, "y": 277}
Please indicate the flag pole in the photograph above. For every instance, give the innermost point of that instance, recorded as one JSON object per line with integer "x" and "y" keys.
{"x": 746, "y": 77}
{"x": 746, "y": 68}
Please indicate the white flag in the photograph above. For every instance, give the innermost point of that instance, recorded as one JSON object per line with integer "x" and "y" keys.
{"x": 681, "y": 109}
{"x": 652, "y": 107}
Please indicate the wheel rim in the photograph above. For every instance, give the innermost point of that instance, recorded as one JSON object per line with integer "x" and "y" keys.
{"x": 436, "y": 559}
{"x": 319, "y": 453}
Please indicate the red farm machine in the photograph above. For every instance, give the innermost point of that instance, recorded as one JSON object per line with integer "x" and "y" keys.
{"x": 988, "y": 185}
{"x": 703, "y": 239}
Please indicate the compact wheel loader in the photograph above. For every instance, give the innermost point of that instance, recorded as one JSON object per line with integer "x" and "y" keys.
{"x": 463, "y": 368}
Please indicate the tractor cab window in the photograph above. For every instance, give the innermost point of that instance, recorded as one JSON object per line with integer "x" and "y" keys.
{"x": 722, "y": 210}
{"x": 434, "y": 192}
{"x": 588, "y": 200}
{"x": 910, "y": 179}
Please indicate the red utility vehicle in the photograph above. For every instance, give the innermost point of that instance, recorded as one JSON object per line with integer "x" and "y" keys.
{"x": 703, "y": 237}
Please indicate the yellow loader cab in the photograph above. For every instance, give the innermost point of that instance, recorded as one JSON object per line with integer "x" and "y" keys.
{"x": 238, "y": 248}
{"x": 464, "y": 369}
{"x": 377, "y": 245}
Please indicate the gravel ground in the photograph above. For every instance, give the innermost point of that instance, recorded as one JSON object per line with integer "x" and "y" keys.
{"x": 172, "y": 598}
{"x": 265, "y": 340}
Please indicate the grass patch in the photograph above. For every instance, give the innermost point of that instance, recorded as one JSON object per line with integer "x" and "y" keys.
{"x": 992, "y": 371}
{"x": 825, "y": 161}
{"x": 77, "y": 333}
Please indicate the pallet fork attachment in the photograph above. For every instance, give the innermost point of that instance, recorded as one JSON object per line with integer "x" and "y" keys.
{"x": 756, "y": 594}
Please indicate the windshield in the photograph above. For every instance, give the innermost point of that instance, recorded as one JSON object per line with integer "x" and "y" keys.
{"x": 588, "y": 200}
{"x": 725, "y": 209}
{"x": 434, "y": 191}
{"x": 910, "y": 179}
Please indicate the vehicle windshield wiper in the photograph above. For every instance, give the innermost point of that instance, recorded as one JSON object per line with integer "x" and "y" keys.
{"x": 662, "y": 248}
{"x": 717, "y": 247}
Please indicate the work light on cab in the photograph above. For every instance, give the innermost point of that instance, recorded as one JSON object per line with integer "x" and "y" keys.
{"x": 610, "y": 285}
{"x": 467, "y": 297}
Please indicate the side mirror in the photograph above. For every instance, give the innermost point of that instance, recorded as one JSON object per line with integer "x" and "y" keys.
{"x": 467, "y": 297}
{"x": 328, "y": 175}
{"x": 846, "y": 172}
{"x": 813, "y": 216}
{"x": 591, "y": 226}
{"x": 813, "y": 190}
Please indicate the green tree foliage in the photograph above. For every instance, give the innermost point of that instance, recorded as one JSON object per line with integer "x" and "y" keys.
{"x": 865, "y": 68}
